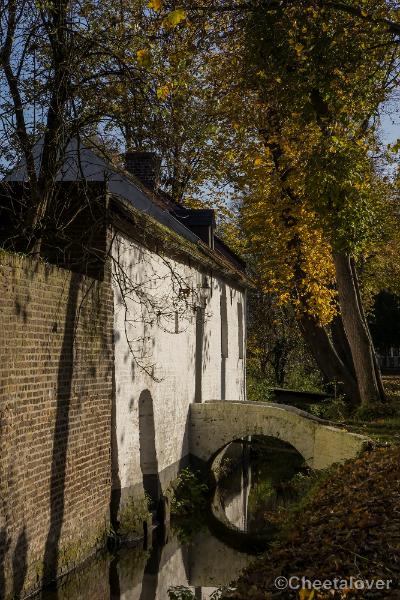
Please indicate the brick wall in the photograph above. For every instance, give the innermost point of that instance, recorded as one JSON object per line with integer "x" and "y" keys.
{"x": 75, "y": 236}
{"x": 145, "y": 166}
{"x": 56, "y": 366}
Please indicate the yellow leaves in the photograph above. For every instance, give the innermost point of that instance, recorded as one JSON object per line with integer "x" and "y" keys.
{"x": 313, "y": 12}
{"x": 258, "y": 161}
{"x": 143, "y": 57}
{"x": 155, "y": 5}
{"x": 175, "y": 17}
{"x": 299, "y": 49}
{"x": 172, "y": 20}
{"x": 163, "y": 92}
{"x": 305, "y": 594}
{"x": 284, "y": 298}
{"x": 294, "y": 259}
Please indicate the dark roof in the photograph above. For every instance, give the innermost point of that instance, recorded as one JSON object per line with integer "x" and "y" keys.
{"x": 84, "y": 163}
{"x": 151, "y": 233}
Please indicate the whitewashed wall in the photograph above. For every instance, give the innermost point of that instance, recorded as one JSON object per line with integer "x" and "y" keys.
{"x": 166, "y": 349}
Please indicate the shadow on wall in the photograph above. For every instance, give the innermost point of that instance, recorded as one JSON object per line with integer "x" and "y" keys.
{"x": 4, "y": 546}
{"x": 224, "y": 339}
{"x": 115, "y": 496}
{"x": 148, "y": 451}
{"x": 19, "y": 563}
{"x": 200, "y": 318}
{"x": 61, "y": 431}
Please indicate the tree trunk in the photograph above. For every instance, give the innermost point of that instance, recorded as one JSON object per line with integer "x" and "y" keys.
{"x": 327, "y": 359}
{"x": 341, "y": 343}
{"x": 377, "y": 369}
{"x": 54, "y": 138}
{"x": 357, "y": 331}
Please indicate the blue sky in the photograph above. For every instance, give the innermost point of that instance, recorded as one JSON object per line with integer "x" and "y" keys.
{"x": 390, "y": 121}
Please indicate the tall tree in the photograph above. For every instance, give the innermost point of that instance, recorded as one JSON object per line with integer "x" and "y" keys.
{"x": 169, "y": 107}
{"x": 309, "y": 78}
{"x": 332, "y": 71}
{"x": 51, "y": 54}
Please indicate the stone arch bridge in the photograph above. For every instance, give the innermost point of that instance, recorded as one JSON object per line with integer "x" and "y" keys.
{"x": 214, "y": 424}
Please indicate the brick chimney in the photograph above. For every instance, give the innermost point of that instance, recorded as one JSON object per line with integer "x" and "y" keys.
{"x": 145, "y": 166}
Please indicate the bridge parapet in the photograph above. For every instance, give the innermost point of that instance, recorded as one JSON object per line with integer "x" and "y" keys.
{"x": 215, "y": 424}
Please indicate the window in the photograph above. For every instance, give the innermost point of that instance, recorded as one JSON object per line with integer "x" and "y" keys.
{"x": 240, "y": 329}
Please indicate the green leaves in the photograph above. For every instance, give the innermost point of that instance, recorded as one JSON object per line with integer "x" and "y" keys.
{"x": 395, "y": 148}
{"x": 163, "y": 92}
{"x": 189, "y": 493}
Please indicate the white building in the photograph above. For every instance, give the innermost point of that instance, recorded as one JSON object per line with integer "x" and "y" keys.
{"x": 181, "y": 341}
{"x": 179, "y": 318}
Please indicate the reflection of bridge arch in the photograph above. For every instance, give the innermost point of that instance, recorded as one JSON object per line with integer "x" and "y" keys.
{"x": 213, "y": 425}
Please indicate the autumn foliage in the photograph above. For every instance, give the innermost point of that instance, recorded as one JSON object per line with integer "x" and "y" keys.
{"x": 350, "y": 527}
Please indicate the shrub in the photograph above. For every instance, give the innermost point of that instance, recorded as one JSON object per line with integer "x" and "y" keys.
{"x": 190, "y": 494}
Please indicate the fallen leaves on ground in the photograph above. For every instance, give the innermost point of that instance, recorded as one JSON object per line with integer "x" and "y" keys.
{"x": 349, "y": 527}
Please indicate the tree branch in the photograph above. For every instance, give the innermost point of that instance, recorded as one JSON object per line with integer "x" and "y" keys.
{"x": 392, "y": 26}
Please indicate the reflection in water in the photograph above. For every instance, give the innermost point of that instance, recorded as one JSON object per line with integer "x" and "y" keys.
{"x": 234, "y": 490}
{"x": 260, "y": 483}
{"x": 196, "y": 570}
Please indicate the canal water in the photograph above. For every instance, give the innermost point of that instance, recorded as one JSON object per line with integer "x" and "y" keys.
{"x": 257, "y": 480}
